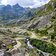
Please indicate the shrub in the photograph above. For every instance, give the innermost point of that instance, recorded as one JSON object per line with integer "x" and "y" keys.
{"x": 44, "y": 46}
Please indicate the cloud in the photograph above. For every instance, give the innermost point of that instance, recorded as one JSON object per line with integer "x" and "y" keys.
{"x": 0, "y": 1}
{"x": 5, "y": 2}
{"x": 25, "y": 3}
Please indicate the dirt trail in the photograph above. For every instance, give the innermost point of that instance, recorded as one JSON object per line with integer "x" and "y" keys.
{"x": 33, "y": 35}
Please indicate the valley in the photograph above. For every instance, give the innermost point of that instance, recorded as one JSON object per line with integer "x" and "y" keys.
{"x": 28, "y": 31}
{"x": 20, "y": 36}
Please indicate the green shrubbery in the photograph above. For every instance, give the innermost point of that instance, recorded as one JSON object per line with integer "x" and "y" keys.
{"x": 42, "y": 32}
{"x": 44, "y": 46}
{"x": 53, "y": 20}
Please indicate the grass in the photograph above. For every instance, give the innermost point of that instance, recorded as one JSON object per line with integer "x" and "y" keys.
{"x": 10, "y": 46}
{"x": 48, "y": 9}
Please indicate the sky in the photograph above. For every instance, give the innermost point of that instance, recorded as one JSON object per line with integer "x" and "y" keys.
{"x": 25, "y": 3}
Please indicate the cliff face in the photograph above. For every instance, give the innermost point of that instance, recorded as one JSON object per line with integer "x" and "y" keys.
{"x": 44, "y": 16}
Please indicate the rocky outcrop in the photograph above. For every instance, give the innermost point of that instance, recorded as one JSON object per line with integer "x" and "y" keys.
{"x": 45, "y": 17}
{"x": 41, "y": 22}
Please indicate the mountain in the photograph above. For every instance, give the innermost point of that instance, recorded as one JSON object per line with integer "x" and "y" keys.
{"x": 15, "y": 13}
{"x": 1, "y": 6}
{"x": 11, "y": 12}
{"x": 37, "y": 23}
{"x": 44, "y": 15}
{"x": 35, "y": 18}
{"x": 44, "y": 20}
{"x": 44, "y": 24}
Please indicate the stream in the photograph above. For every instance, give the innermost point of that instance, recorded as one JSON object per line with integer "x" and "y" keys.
{"x": 44, "y": 53}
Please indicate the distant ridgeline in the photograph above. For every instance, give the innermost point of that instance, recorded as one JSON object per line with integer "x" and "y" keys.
{"x": 15, "y": 12}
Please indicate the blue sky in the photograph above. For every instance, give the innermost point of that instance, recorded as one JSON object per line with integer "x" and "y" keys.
{"x": 25, "y": 3}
